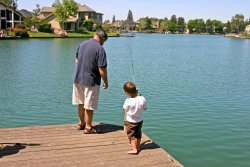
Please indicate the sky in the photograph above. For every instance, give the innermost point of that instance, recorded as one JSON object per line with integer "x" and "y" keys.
{"x": 222, "y": 10}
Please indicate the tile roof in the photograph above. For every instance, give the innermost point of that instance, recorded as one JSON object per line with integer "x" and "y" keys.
{"x": 48, "y": 9}
{"x": 84, "y": 8}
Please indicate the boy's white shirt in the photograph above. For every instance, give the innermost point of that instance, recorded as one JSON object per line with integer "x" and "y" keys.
{"x": 134, "y": 107}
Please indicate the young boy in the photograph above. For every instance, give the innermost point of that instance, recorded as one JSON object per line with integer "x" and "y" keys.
{"x": 133, "y": 107}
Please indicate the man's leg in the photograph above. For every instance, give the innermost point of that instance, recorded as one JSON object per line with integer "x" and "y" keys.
{"x": 81, "y": 116}
{"x": 88, "y": 117}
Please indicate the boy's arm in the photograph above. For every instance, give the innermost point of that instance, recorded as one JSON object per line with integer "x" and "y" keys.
{"x": 77, "y": 51}
{"x": 145, "y": 104}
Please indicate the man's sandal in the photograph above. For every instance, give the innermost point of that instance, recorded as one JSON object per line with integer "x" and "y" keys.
{"x": 90, "y": 131}
{"x": 81, "y": 127}
{"x": 1, "y": 147}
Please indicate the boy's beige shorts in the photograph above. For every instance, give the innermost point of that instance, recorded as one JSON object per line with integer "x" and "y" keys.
{"x": 87, "y": 95}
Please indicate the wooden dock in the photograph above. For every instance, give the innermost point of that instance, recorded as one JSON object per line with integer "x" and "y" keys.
{"x": 63, "y": 145}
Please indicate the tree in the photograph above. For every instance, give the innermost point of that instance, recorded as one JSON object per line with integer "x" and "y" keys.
{"x": 144, "y": 24}
{"x": 31, "y": 22}
{"x": 164, "y": 26}
{"x": 247, "y": 22}
{"x": 181, "y": 25}
{"x": 209, "y": 26}
{"x": 172, "y": 27}
{"x": 37, "y": 10}
{"x": 196, "y": 26}
{"x": 237, "y": 23}
{"x": 65, "y": 9}
{"x": 130, "y": 15}
{"x": 227, "y": 27}
{"x": 113, "y": 19}
{"x": 173, "y": 19}
{"x": 165, "y": 18}
{"x": 218, "y": 26}
{"x": 88, "y": 24}
{"x": 10, "y": 3}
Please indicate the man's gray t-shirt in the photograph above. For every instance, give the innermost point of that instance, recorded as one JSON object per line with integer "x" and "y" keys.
{"x": 91, "y": 56}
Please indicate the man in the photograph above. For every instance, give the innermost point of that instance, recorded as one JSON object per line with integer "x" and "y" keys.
{"x": 91, "y": 67}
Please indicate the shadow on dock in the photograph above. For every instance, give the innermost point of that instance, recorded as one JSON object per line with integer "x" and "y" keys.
{"x": 107, "y": 128}
{"x": 149, "y": 144}
{"x": 13, "y": 148}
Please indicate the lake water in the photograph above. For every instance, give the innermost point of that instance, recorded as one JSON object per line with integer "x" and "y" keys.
{"x": 197, "y": 88}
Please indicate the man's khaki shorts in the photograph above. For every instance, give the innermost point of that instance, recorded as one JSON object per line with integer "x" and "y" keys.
{"x": 87, "y": 95}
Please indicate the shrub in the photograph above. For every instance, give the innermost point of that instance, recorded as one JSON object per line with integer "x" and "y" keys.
{"x": 83, "y": 29}
{"x": 22, "y": 26}
{"x": 21, "y": 32}
{"x": 45, "y": 27}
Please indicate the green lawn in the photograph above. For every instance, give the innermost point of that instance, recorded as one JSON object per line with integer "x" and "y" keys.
{"x": 70, "y": 34}
{"x": 41, "y": 34}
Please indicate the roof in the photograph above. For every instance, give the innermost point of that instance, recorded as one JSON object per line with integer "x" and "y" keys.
{"x": 130, "y": 22}
{"x": 47, "y": 10}
{"x": 41, "y": 16}
{"x": 3, "y": 4}
{"x": 26, "y": 13}
{"x": 10, "y": 8}
{"x": 84, "y": 8}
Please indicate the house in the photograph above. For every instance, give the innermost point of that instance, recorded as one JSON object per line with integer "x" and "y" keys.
{"x": 115, "y": 25}
{"x": 128, "y": 25}
{"x": 73, "y": 23}
{"x": 9, "y": 17}
{"x": 155, "y": 25}
{"x": 248, "y": 29}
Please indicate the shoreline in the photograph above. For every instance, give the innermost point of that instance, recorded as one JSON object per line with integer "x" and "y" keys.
{"x": 46, "y": 37}
{"x": 229, "y": 35}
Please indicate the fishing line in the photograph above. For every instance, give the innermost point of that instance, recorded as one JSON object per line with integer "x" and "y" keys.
{"x": 132, "y": 61}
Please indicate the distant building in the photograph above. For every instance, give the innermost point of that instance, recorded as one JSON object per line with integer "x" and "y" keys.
{"x": 248, "y": 29}
{"x": 121, "y": 25}
{"x": 73, "y": 23}
{"x": 9, "y": 17}
{"x": 156, "y": 25}
{"x": 128, "y": 25}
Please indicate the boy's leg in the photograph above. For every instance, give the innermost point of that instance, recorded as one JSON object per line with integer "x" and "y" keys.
{"x": 134, "y": 150}
{"x": 138, "y": 143}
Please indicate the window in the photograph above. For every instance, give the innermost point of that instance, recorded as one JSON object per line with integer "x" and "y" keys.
{"x": 16, "y": 17}
{"x": 9, "y": 25}
{"x": 3, "y": 24}
{"x": 67, "y": 26}
{"x": 9, "y": 15}
{"x": 3, "y": 13}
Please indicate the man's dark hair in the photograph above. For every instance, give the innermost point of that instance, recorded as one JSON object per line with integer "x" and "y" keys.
{"x": 102, "y": 34}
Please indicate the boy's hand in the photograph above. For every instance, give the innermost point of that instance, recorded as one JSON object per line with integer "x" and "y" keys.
{"x": 105, "y": 85}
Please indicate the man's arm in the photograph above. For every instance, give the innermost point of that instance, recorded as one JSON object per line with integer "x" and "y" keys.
{"x": 104, "y": 75}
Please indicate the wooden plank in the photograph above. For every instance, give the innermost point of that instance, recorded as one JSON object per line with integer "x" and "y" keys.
{"x": 63, "y": 145}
